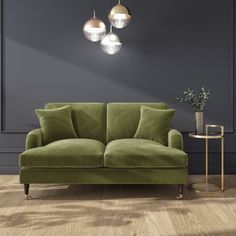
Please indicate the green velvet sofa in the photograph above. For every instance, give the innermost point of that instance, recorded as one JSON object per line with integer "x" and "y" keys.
{"x": 105, "y": 152}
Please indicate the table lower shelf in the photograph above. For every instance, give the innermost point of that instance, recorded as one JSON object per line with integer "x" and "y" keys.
{"x": 205, "y": 188}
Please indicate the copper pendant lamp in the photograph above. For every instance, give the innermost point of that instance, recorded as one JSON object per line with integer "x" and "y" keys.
{"x": 94, "y": 29}
{"x": 119, "y": 16}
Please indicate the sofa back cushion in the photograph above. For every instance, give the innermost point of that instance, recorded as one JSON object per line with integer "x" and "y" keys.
{"x": 89, "y": 119}
{"x": 123, "y": 118}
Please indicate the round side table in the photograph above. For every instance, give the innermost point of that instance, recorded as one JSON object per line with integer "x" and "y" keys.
{"x": 207, "y": 187}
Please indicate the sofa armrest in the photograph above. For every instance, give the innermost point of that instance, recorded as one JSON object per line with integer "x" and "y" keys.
{"x": 175, "y": 139}
{"x": 34, "y": 139}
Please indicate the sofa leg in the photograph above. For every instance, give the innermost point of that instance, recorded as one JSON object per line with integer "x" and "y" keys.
{"x": 26, "y": 189}
{"x": 180, "y": 191}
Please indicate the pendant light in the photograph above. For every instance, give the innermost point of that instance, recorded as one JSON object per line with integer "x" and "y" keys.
{"x": 94, "y": 29}
{"x": 119, "y": 16}
{"x": 111, "y": 44}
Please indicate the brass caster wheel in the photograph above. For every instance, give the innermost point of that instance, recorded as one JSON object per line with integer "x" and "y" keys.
{"x": 27, "y": 197}
{"x": 180, "y": 197}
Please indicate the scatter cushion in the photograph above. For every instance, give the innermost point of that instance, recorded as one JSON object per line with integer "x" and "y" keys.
{"x": 154, "y": 124}
{"x": 56, "y": 124}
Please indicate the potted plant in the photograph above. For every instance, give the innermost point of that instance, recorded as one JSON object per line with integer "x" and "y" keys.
{"x": 198, "y": 103}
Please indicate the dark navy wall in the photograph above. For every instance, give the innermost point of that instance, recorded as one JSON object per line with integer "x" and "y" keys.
{"x": 170, "y": 45}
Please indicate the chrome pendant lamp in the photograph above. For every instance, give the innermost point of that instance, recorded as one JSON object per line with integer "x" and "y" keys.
{"x": 111, "y": 44}
{"x": 94, "y": 29}
{"x": 119, "y": 16}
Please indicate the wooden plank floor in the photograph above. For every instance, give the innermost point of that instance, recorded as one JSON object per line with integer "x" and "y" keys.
{"x": 110, "y": 210}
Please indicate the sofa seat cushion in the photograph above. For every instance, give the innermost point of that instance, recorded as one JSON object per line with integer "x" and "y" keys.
{"x": 142, "y": 153}
{"x": 82, "y": 153}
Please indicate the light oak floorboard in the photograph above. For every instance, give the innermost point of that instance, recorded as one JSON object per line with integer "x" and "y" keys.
{"x": 115, "y": 210}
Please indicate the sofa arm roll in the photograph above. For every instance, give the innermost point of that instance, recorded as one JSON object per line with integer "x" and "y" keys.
{"x": 175, "y": 139}
{"x": 34, "y": 139}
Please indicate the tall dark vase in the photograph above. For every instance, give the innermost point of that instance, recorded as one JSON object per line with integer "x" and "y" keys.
{"x": 199, "y": 122}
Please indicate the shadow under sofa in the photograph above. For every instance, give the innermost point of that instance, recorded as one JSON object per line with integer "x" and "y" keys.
{"x": 105, "y": 152}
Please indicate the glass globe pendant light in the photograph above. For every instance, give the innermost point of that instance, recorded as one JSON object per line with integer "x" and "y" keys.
{"x": 111, "y": 44}
{"x": 94, "y": 29}
{"x": 119, "y": 16}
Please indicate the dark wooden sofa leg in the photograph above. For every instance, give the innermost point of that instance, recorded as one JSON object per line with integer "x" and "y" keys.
{"x": 26, "y": 189}
{"x": 180, "y": 191}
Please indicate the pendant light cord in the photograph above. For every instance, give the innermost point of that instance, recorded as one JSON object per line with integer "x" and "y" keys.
{"x": 94, "y": 7}
{"x": 110, "y": 28}
{"x": 118, "y": 1}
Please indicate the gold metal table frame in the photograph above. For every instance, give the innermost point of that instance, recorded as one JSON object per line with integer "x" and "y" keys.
{"x": 209, "y": 187}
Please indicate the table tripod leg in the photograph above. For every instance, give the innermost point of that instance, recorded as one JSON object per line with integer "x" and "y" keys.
{"x": 206, "y": 162}
{"x": 222, "y": 164}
